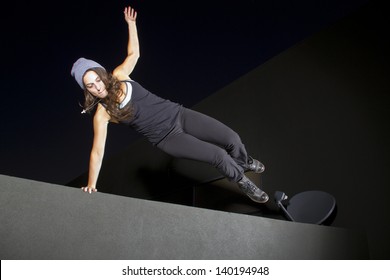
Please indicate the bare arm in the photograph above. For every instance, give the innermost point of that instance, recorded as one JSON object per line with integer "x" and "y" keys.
{"x": 123, "y": 71}
{"x": 100, "y": 122}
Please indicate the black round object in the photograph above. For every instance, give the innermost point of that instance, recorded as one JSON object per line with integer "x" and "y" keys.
{"x": 312, "y": 207}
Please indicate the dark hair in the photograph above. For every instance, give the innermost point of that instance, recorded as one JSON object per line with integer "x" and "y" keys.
{"x": 110, "y": 102}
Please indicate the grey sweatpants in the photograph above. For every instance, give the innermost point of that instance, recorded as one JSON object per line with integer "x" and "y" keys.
{"x": 199, "y": 137}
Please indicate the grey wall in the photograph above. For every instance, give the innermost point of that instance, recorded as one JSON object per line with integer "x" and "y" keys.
{"x": 44, "y": 221}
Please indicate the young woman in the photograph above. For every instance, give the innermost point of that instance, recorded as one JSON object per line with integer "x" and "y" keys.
{"x": 176, "y": 130}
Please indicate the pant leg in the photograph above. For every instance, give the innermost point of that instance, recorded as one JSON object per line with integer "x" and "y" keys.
{"x": 183, "y": 145}
{"x": 213, "y": 131}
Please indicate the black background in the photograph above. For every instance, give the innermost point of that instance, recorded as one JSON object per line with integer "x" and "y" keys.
{"x": 189, "y": 49}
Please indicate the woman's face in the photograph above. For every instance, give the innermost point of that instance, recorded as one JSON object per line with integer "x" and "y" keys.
{"x": 94, "y": 84}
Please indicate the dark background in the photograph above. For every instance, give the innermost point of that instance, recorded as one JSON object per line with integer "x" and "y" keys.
{"x": 189, "y": 50}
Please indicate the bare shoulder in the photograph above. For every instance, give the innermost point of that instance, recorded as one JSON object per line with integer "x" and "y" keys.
{"x": 101, "y": 115}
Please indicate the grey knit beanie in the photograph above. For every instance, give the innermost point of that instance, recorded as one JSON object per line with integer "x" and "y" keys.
{"x": 80, "y": 67}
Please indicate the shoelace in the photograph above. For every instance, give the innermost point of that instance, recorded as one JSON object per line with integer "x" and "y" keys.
{"x": 251, "y": 187}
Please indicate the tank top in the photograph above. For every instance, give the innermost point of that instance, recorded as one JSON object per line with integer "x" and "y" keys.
{"x": 153, "y": 116}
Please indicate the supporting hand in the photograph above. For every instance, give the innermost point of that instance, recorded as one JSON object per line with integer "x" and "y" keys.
{"x": 89, "y": 189}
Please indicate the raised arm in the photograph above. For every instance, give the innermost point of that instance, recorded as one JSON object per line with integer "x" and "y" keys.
{"x": 123, "y": 71}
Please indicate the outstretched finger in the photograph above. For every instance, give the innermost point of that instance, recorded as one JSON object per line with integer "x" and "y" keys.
{"x": 130, "y": 13}
{"x": 133, "y": 14}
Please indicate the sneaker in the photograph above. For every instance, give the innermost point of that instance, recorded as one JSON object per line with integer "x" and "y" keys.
{"x": 251, "y": 190}
{"x": 255, "y": 165}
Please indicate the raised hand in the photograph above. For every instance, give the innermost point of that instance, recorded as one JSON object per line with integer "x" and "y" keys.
{"x": 130, "y": 14}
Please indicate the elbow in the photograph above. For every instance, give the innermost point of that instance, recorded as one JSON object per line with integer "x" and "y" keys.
{"x": 135, "y": 54}
{"x": 97, "y": 154}
{"x": 136, "y": 57}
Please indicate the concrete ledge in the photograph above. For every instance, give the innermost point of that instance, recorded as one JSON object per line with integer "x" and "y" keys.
{"x": 45, "y": 221}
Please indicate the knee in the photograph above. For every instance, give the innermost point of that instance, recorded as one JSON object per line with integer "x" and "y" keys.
{"x": 233, "y": 141}
{"x": 235, "y": 138}
{"x": 220, "y": 157}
